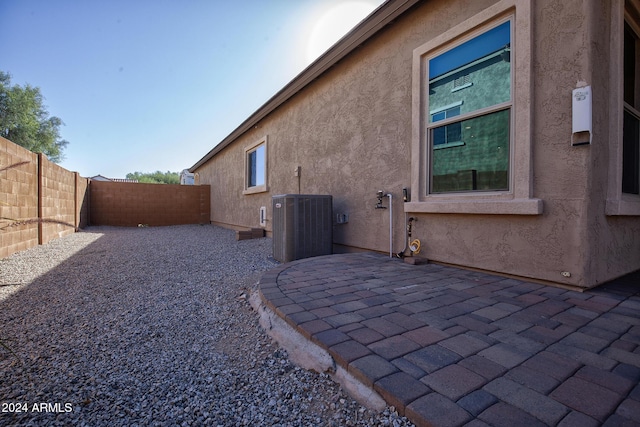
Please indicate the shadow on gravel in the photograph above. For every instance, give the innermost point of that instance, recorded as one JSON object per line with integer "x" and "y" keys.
{"x": 125, "y": 331}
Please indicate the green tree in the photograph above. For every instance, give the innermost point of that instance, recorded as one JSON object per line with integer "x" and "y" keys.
{"x": 25, "y": 121}
{"x": 156, "y": 177}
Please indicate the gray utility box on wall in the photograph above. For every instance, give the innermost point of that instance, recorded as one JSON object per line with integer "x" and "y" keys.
{"x": 302, "y": 226}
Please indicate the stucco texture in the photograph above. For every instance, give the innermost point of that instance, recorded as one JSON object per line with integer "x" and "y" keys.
{"x": 350, "y": 132}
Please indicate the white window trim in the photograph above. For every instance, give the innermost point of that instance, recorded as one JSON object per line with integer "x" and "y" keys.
{"x": 618, "y": 203}
{"x": 446, "y": 107}
{"x": 519, "y": 199}
{"x": 448, "y": 145}
{"x": 258, "y": 188}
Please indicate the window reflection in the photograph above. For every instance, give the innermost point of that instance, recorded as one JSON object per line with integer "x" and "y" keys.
{"x": 472, "y": 152}
{"x": 481, "y": 163}
{"x": 256, "y": 161}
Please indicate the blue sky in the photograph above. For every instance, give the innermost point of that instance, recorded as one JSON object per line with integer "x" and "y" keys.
{"x": 484, "y": 44}
{"x": 146, "y": 85}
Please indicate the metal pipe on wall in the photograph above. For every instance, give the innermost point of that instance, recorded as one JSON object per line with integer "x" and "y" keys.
{"x": 390, "y": 196}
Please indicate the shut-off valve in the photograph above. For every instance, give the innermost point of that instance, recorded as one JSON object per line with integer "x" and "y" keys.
{"x": 380, "y": 195}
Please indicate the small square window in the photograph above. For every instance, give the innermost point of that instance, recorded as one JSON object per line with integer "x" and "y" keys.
{"x": 449, "y": 135}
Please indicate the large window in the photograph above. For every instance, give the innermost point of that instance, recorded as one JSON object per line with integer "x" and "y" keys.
{"x": 623, "y": 193}
{"x": 469, "y": 99}
{"x": 631, "y": 119}
{"x": 256, "y": 167}
{"x": 472, "y": 115}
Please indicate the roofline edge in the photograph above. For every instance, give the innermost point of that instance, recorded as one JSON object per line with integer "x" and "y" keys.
{"x": 367, "y": 28}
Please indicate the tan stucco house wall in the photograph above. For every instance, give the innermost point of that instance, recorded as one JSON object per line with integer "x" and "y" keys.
{"x": 358, "y": 121}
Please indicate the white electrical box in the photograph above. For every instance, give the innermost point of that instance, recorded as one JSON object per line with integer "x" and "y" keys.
{"x": 263, "y": 216}
{"x": 581, "y": 116}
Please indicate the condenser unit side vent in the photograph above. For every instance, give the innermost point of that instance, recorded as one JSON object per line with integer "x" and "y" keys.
{"x": 302, "y": 226}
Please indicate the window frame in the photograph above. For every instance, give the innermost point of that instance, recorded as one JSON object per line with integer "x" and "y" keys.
{"x": 247, "y": 151}
{"x": 619, "y": 203}
{"x": 518, "y": 200}
{"x": 442, "y": 126}
{"x": 445, "y": 110}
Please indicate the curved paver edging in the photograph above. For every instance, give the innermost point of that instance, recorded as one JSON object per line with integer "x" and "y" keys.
{"x": 304, "y": 348}
{"x": 445, "y": 345}
{"x": 309, "y": 356}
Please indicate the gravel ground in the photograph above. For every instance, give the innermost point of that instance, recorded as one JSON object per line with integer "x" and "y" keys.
{"x": 151, "y": 326}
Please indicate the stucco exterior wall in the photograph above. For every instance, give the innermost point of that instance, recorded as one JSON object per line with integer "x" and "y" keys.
{"x": 350, "y": 133}
{"x": 614, "y": 240}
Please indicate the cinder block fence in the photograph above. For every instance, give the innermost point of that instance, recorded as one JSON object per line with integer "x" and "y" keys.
{"x": 128, "y": 204}
{"x": 41, "y": 201}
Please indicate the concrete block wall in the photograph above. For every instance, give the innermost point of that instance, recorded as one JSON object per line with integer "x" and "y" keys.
{"x": 82, "y": 198}
{"x": 57, "y": 200}
{"x": 39, "y": 200}
{"x": 131, "y": 204}
{"x": 18, "y": 198}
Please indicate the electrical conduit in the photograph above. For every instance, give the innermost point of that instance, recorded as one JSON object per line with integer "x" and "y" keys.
{"x": 390, "y": 196}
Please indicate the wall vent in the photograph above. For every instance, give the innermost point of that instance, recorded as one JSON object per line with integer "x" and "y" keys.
{"x": 302, "y": 226}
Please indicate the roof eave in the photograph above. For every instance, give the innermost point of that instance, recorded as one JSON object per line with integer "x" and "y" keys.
{"x": 367, "y": 28}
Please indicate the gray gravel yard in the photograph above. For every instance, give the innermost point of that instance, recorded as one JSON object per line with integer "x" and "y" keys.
{"x": 151, "y": 326}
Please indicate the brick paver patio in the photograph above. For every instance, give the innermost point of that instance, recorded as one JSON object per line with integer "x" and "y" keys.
{"x": 452, "y": 347}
